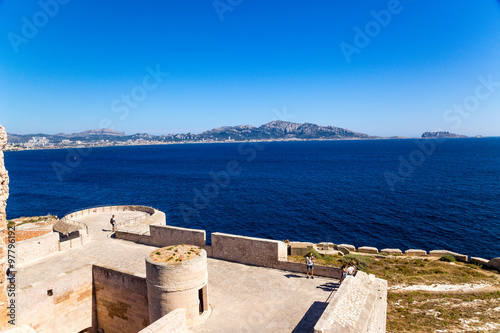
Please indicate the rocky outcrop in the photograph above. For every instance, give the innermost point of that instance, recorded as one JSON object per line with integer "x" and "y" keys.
{"x": 4, "y": 194}
{"x": 442, "y": 135}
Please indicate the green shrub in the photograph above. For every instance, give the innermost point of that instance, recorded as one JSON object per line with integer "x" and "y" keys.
{"x": 316, "y": 254}
{"x": 360, "y": 261}
{"x": 447, "y": 257}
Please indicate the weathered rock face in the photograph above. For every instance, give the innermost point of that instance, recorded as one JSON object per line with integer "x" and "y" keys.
{"x": 4, "y": 194}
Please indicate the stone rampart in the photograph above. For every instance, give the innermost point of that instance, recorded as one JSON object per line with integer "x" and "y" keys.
{"x": 4, "y": 194}
{"x": 173, "y": 322}
{"x": 359, "y": 305}
{"x": 121, "y": 301}
{"x": 61, "y": 305}
{"x": 37, "y": 247}
{"x": 132, "y": 236}
{"x": 248, "y": 250}
{"x": 165, "y": 235}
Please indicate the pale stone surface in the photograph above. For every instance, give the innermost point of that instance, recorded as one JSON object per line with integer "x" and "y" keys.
{"x": 257, "y": 299}
{"x": 392, "y": 251}
{"x": 367, "y": 249}
{"x": 174, "y": 322}
{"x": 20, "y": 329}
{"x": 414, "y": 252}
{"x": 360, "y": 305}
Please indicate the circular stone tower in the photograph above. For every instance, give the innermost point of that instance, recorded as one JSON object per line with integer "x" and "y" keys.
{"x": 177, "y": 277}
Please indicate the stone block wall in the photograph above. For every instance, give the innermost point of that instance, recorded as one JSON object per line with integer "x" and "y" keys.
{"x": 359, "y": 305}
{"x": 4, "y": 194}
{"x": 248, "y": 250}
{"x": 38, "y": 247}
{"x": 61, "y": 305}
{"x": 121, "y": 301}
{"x": 164, "y": 235}
{"x": 173, "y": 322}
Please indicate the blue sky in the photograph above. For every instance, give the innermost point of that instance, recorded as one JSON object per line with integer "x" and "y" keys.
{"x": 73, "y": 65}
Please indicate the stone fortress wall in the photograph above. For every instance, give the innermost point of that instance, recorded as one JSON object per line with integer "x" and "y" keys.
{"x": 66, "y": 299}
{"x": 4, "y": 194}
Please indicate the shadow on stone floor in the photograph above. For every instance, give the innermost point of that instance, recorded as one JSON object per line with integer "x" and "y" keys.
{"x": 310, "y": 318}
{"x": 294, "y": 276}
{"x": 329, "y": 286}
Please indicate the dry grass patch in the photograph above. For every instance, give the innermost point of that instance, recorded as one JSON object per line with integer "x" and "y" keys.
{"x": 429, "y": 312}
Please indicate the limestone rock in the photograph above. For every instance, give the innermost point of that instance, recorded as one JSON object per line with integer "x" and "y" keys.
{"x": 367, "y": 249}
{"x": 392, "y": 251}
{"x": 414, "y": 252}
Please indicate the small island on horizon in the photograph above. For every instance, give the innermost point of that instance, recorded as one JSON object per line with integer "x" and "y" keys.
{"x": 276, "y": 130}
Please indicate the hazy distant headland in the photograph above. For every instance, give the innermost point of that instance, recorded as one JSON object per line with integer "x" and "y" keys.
{"x": 273, "y": 131}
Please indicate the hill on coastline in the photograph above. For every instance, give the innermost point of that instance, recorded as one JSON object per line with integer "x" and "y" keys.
{"x": 442, "y": 135}
{"x": 274, "y": 130}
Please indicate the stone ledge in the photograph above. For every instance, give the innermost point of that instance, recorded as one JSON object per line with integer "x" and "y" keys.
{"x": 392, "y": 251}
{"x": 367, "y": 249}
{"x": 415, "y": 252}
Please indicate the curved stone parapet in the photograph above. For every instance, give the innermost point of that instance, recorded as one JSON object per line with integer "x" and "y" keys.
{"x": 150, "y": 216}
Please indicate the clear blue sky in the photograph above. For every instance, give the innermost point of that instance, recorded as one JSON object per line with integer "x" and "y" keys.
{"x": 264, "y": 60}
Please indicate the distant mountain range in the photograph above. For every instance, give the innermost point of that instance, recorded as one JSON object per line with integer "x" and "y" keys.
{"x": 274, "y": 131}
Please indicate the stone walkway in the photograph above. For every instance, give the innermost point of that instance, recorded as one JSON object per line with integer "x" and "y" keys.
{"x": 243, "y": 298}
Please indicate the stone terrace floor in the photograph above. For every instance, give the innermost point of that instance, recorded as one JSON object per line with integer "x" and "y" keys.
{"x": 243, "y": 298}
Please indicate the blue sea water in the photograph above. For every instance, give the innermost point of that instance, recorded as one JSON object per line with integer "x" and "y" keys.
{"x": 383, "y": 193}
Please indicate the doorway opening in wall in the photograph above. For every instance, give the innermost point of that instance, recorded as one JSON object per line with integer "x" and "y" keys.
{"x": 200, "y": 298}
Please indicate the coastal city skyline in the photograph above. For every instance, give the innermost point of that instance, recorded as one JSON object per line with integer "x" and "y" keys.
{"x": 386, "y": 68}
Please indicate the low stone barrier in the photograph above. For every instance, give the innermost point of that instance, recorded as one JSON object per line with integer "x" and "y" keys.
{"x": 347, "y": 246}
{"x": 368, "y": 249}
{"x": 173, "y": 322}
{"x": 440, "y": 253}
{"x": 414, "y": 252}
{"x": 133, "y": 237}
{"x": 479, "y": 261}
{"x": 359, "y": 305}
{"x": 165, "y": 235}
{"x": 248, "y": 250}
{"x": 38, "y": 247}
{"x": 392, "y": 251}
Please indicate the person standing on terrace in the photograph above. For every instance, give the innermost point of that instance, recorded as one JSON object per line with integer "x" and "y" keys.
{"x": 310, "y": 265}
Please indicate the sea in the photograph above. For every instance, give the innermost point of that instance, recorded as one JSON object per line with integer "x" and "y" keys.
{"x": 406, "y": 194}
